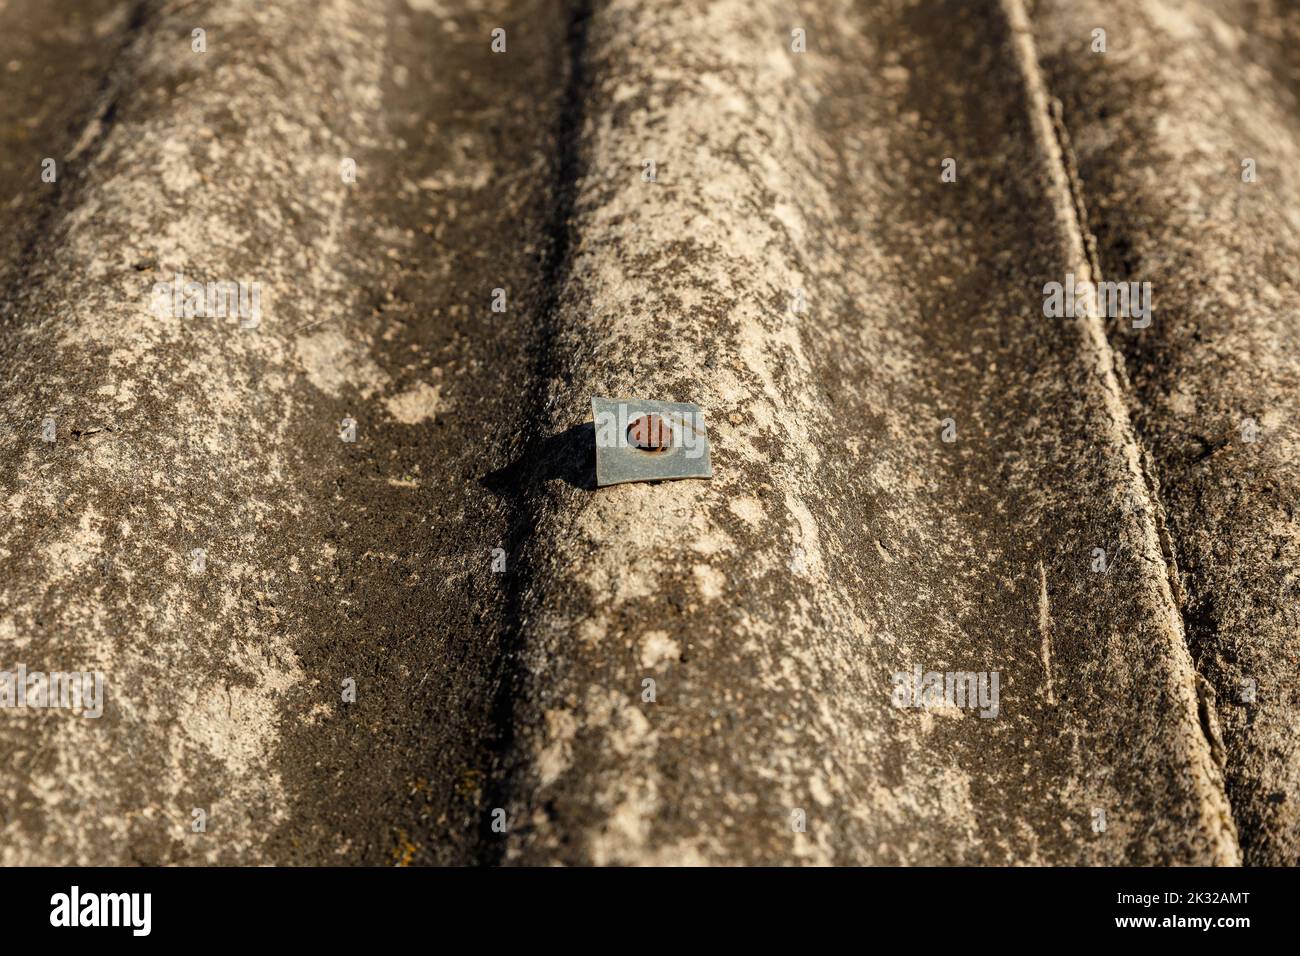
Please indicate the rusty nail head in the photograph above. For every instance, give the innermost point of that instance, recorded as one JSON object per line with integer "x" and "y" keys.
{"x": 650, "y": 433}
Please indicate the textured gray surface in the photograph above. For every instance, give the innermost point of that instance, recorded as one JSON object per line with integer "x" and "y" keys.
{"x": 912, "y": 464}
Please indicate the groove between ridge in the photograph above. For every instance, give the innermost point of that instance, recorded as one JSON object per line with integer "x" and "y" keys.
{"x": 1216, "y": 810}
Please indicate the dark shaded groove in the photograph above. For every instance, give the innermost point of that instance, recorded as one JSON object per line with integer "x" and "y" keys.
{"x": 540, "y": 456}
{"x": 101, "y": 108}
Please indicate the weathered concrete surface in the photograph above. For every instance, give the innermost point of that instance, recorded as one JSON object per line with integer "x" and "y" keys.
{"x": 180, "y": 434}
{"x": 170, "y": 436}
{"x": 326, "y": 561}
{"x": 841, "y": 539}
{"x": 796, "y": 265}
{"x": 454, "y": 200}
{"x": 1160, "y": 125}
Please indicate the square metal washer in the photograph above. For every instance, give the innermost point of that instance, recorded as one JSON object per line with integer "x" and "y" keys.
{"x": 618, "y": 461}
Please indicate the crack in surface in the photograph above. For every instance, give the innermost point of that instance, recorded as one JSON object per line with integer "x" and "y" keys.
{"x": 1047, "y": 121}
